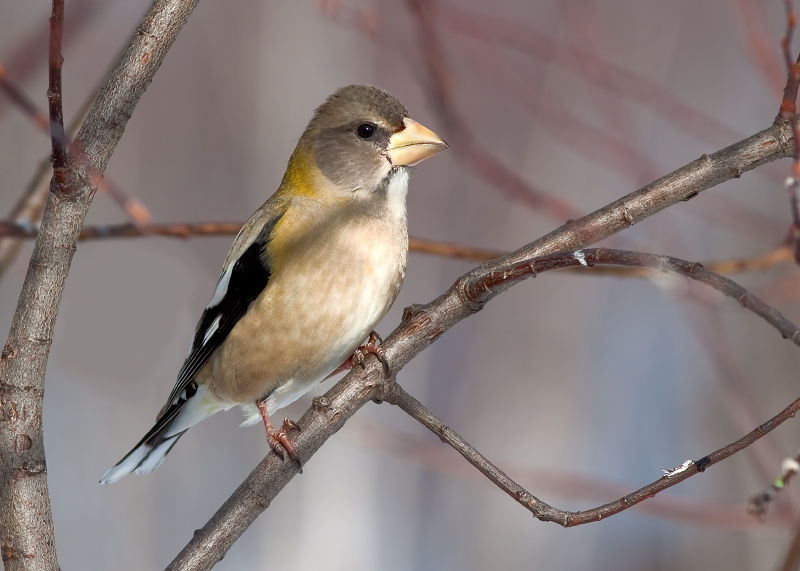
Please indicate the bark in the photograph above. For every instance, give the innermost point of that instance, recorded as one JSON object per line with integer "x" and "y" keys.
{"x": 26, "y": 526}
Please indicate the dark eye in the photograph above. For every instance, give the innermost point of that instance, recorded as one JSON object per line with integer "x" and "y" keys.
{"x": 365, "y": 130}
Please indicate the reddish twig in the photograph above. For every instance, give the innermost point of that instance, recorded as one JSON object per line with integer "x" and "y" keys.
{"x": 21, "y": 100}
{"x": 134, "y": 207}
{"x": 789, "y": 101}
{"x": 25, "y": 230}
{"x": 29, "y": 207}
{"x": 54, "y": 94}
{"x": 187, "y": 230}
{"x": 184, "y": 230}
{"x": 439, "y": 84}
{"x": 25, "y": 58}
{"x": 588, "y": 65}
{"x": 759, "y": 41}
{"x": 787, "y": 114}
{"x": 450, "y": 250}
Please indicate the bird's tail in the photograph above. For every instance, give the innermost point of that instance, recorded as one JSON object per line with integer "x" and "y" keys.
{"x": 192, "y": 406}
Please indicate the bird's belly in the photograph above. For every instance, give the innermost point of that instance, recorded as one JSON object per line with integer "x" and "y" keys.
{"x": 308, "y": 321}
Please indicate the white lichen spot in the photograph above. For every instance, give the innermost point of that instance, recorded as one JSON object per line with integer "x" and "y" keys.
{"x": 789, "y": 183}
{"x": 682, "y": 468}
{"x": 581, "y": 257}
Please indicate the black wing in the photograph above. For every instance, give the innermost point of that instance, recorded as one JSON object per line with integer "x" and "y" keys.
{"x": 248, "y": 278}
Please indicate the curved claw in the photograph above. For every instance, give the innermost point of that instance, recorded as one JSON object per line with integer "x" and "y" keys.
{"x": 278, "y": 439}
{"x": 357, "y": 358}
{"x": 371, "y": 346}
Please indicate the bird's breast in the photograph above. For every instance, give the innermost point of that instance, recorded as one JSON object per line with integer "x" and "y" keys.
{"x": 322, "y": 301}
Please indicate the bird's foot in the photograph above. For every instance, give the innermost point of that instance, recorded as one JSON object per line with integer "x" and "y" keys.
{"x": 278, "y": 439}
{"x": 357, "y": 358}
{"x": 371, "y": 347}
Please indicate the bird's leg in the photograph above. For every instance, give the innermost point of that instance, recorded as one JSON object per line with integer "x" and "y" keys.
{"x": 357, "y": 358}
{"x": 372, "y": 347}
{"x": 275, "y": 437}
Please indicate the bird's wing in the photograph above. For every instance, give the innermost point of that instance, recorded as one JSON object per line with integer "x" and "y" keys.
{"x": 245, "y": 275}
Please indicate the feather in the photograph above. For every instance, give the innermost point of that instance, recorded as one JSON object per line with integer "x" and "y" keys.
{"x": 238, "y": 286}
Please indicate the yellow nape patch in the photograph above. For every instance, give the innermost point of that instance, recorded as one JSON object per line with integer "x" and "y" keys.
{"x": 302, "y": 174}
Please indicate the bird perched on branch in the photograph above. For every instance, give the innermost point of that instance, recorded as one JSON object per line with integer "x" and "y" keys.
{"x": 307, "y": 278}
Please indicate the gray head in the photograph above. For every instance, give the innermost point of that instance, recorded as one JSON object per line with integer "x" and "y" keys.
{"x": 361, "y": 133}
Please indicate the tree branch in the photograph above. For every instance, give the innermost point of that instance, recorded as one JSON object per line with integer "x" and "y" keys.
{"x": 479, "y": 291}
{"x": 423, "y": 324}
{"x": 421, "y": 451}
{"x": 683, "y": 184}
{"x": 545, "y": 512}
{"x": 26, "y": 527}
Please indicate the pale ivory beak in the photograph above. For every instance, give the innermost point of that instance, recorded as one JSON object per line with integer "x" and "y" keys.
{"x": 413, "y": 144}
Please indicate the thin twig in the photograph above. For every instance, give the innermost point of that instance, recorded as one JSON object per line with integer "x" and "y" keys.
{"x": 54, "y": 94}
{"x": 29, "y": 207}
{"x": 759, "y": 263}
{"x": 187, "y": 230}
{"x": 27, "y": 535}
{"x": 24, "y": 59}
{"x": 471, "y": 154}
{"x": 22, "y": 101}
{"x": 545, "y": 512}
{"x": 759, "y": 504}
{"x": 479, "y": 291}
{"x": 789, "y": 101}
{"x": 586, "y": 64}
{"x": 787, "y": 114}
{"x": 427, "y": 454}
{"x": 134, "y": 207}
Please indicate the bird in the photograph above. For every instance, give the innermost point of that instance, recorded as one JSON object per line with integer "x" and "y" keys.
{"x": 308, "y": 276}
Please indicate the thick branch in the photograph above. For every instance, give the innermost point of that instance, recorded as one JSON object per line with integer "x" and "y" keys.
{"x": 26, "y": 535}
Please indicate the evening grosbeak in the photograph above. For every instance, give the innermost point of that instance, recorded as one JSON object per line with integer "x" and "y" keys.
{"x": 308, "y": 276}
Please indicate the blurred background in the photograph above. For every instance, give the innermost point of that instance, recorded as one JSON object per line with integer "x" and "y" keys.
{"x": 581, "y": 387}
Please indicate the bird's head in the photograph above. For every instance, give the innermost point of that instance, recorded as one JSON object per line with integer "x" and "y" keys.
{"x": 361, "y": 134}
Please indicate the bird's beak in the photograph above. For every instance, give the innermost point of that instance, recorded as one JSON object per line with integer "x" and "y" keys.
{"x": 413, "y": 144}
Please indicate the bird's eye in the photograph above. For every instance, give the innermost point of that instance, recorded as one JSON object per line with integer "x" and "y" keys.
{"x": 365, "y": 130}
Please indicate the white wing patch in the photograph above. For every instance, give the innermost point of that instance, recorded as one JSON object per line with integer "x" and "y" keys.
{"x": 212, "y": 329}
{"x": 222, "y": 289}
